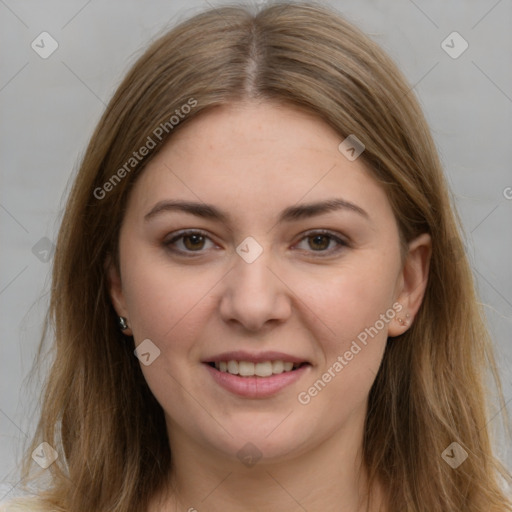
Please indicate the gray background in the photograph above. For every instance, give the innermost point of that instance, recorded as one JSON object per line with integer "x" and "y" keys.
{"x": 49, "y": 108}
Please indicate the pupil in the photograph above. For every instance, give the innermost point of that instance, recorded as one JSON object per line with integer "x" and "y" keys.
{"x": 194, "y": 243}
{"x": 324, "y": 237}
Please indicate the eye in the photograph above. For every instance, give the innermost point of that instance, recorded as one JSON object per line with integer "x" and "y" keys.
{"x": 192, "y": 241}
{"x": 320, "y": 240}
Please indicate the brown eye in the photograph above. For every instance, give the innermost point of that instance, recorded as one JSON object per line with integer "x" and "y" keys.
{"x": 187, "y": 242}
{"x": 196, "y": 242}
{"x": 319, "y": 241}
{"x": 323, "y": 242}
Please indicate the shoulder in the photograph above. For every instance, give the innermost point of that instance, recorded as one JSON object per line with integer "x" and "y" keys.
{"x": 32, "y": 504}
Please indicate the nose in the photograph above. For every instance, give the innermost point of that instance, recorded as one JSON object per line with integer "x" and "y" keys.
{"x": 255, "y": 294}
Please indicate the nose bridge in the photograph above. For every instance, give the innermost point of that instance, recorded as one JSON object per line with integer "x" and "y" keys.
{"x": 251, "y": 272}
{"x": 252, "y": 266}
{"x": 253, "y": 293}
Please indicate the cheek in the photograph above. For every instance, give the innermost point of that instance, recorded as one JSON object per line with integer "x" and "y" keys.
{"x": 350, "y": 351}
{"x": 350, "y": 301}
{"x": 165, "y": 301}
{"x": 159, "y": 295}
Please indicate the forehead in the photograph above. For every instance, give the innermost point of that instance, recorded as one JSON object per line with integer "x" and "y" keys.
{"x": 256, "y": 157}
{"x": 241, "y": 130}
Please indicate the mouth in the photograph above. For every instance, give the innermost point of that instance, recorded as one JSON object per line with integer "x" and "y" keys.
{"x": 261, "y": 369}
{"x": 256, "y": 380}
{"x": 256, "y": 375}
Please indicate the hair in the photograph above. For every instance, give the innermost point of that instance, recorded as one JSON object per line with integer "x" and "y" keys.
{"x": 432, "y": 386}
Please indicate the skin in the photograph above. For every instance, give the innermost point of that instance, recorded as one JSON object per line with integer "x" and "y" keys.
{"x": 300, "y": 296}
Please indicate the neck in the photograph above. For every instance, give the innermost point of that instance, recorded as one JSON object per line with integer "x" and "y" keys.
{"x": 330, "y": 477}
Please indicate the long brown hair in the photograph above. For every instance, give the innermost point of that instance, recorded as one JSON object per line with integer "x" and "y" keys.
{"x": 432, "y": 387}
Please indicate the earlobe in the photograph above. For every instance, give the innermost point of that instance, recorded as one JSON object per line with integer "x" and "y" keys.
{"x": 414, "y": 279}
{"x": 115, "y": 289}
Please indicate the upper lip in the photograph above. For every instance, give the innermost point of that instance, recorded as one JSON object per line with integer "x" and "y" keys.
{"x": 260, "y": 357}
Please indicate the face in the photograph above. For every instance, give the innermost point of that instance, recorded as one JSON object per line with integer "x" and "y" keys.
{"x": 263, "y": 283}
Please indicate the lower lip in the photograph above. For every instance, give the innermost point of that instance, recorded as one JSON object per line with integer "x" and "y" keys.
{"x": 256, "y": 387}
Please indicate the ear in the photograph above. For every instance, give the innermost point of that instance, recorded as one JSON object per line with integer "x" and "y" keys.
{"x": 115, "y": 288}
{"x": 412, "y": 283}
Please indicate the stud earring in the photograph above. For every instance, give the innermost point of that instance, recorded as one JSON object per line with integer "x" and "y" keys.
{"x": 123, "y": 324}
{"x": 403, "y": 322}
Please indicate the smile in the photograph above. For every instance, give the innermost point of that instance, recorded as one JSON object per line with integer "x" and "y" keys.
{"x": 249, "y": 384}
{"x": 250, "y": 369}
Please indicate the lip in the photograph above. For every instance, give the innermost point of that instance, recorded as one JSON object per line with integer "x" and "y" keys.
{"x": 261, "y": 357}
{"x": 256, "y": 387}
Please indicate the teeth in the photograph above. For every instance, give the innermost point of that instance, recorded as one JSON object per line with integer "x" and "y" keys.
{"x": 277, "y": 367}
{"x": 233, "y": 367}
{"x": 288, "y": 366}
{"x": 248, "y": 369}
{"x": 263, "y": 369}
{"x": 245, "y": 369}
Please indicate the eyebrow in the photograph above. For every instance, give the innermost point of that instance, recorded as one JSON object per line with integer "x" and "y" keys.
{"x": 290, "y": 214}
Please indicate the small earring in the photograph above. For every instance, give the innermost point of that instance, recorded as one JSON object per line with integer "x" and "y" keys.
{"x": 123, "y": 325}
{"x": 401, "y": 321}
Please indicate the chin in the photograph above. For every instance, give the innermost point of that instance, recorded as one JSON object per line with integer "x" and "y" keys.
{"x": 272, "y": 444}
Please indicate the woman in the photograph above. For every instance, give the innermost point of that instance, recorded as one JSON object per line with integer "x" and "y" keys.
{"x": 260, "y": 295}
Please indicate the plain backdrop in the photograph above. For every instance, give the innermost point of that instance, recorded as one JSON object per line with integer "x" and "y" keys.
{"x": 50, "y": 106}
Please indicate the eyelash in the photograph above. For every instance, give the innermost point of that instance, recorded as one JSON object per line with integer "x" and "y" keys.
{"x": 309, "y": 234}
